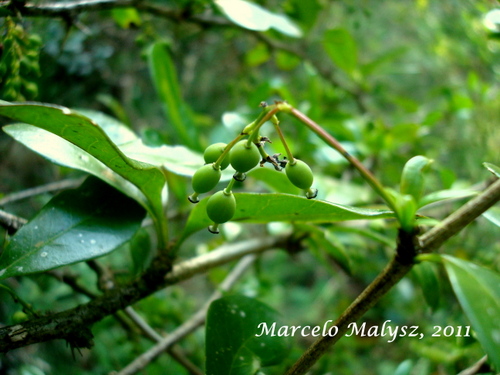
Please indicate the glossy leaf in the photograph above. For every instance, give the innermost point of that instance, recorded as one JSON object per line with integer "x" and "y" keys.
{"x": 164, "y": 76}
{"x": 66, "y": 154}
{"x": 253, "y": 17}
{"x": 478, "y": 291}
{"x": 232, "y": 346}
{"x": 88, "y": 136}
{"x": 266, "y": 208}
{"x": 177, "y": 159}
{"x": 117, "y": 131}
{"x": 342, "y": 49}
{"x": 76, "y": 225}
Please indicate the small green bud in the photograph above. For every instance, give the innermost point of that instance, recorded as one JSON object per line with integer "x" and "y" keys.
{"x": 412, "y": 177}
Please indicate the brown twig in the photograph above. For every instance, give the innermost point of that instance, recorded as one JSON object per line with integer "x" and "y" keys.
{"x": 74, "y": 324}
{"x": 395, "y": 271}
{"x": 10, "y": 222}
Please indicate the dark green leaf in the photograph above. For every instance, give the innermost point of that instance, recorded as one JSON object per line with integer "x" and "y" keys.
{"x": 141, "y": 251}
{"x": 427, "y": 276}
{"x": 478, "y": 291}
{"x": 232, "y": 347}
{"x": 74, "y": 226}
{"x": 266, "y": 208}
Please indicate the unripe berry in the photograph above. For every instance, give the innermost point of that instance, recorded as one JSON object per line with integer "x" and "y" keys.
{"x": 221, "y": 207}
{"x": 19, "y": 317}
{"x": 205, "y": 179}
{"x": 244, "y": 158}
{"x": 213, "y": 152}
{"x": 299, "y": 174}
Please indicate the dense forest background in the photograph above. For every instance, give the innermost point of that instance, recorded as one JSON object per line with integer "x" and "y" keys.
{"x": 390, "y": 80}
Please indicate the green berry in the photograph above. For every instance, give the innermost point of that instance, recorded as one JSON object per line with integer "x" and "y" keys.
{"x": 221, "y": 207}
{"x": 299, "y": 174}
{"x": 19, "y": 317}
{"x": 205, "y": 179}
{"x": 244, "y": 158}
{"x": 213, "y": 152}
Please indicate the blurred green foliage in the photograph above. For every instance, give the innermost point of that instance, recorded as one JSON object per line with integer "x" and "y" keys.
{"x": 404, "y": 79}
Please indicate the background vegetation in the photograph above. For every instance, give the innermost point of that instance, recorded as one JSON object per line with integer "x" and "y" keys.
{"x": 404, "y": 79}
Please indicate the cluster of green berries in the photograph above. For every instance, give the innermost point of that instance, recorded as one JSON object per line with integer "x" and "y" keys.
{"x": 243, "y": 156}
{"x": 19, "y": 66}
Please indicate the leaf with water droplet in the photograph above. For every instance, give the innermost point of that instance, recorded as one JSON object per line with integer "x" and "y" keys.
{"x": 96, "y": 152}
{"x": 232, "y": 346}
{"x": 76, "y": 225}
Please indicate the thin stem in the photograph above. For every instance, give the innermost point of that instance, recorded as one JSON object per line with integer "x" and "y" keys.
{"x": 365, "y": 301}
{"x": 59, "y": 185}
{"x": 26, "y": 306}
{"x": 289, "y": 154}
{"x": 228, "y": 148}
{"x": 155, "y": 336}
{"x": 190, "y": 325}
{"x": 331, "y": 141}
{"x": 229, "y": 186}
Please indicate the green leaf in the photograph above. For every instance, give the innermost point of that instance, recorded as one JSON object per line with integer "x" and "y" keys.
{"x": 446, "y": 194}
{"x": 232, "y": 347}
{"x": 253, "y": 17}
{"x": 177, "y": 159}
{"x": 126, "y": 17}
{"x": 88, "y": 136}
{"x": 66, "y": 154}
{"x": 342, "y": 49}
{"x": 117, "y": 131}
{"x": 427, "y": 275}
{"x": 412, "y": 177}
{"x": 493, "y": 215}
{"x": 333, "y": 247}
{"x": 76, "y": 225}
{"x": 277, "y": 181}
{"x": 164, "y": 76}
{"x": 478, "y": 291}
{"x": 387, "y": 57}
{"x": 493, "y": 169}
{"x": 266, "y": 208}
